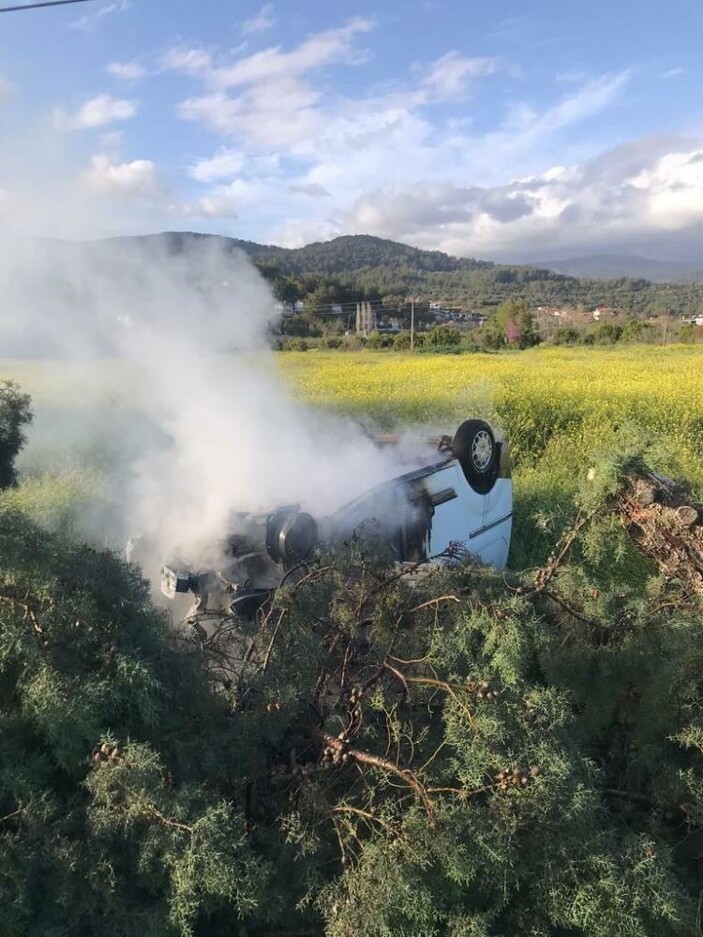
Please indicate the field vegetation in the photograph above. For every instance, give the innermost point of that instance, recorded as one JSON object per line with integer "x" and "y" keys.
{"x": 469, "y": 754}
{"x": 558, "y": 408}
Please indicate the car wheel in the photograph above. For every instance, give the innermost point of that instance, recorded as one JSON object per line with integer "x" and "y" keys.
{"x": 477, "y": 452}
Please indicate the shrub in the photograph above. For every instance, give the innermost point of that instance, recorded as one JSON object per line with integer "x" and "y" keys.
{"x": 637, "y": 331}
{"x": 442, "y": 336}
{"x": 379, "y": 340}
{"x": 296, "y": 344}
{"x": 606, "y": 333}
{"x": 330, "y": 342}
{"x": 565, "y": 335}
{"x": 15, "y": 416}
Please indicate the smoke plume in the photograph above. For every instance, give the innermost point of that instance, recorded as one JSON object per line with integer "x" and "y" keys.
{"x": 183, "y": 408}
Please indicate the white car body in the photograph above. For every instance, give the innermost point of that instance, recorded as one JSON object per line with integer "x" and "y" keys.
{"x": 457, "y": 506}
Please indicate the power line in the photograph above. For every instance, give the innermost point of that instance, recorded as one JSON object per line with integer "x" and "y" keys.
{"x": 36, "y": 6}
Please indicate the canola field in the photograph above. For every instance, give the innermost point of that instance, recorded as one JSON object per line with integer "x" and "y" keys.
{"x": 560, "y": 409}
{"x": 533, "y": 396}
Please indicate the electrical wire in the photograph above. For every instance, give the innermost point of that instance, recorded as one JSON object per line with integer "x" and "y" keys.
{"x": 43, "y": 3}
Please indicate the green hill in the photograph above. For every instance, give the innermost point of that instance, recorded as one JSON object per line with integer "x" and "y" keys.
{"x": 357, "y": 267}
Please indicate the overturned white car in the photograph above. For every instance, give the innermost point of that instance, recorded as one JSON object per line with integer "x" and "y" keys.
{"x": 459, "y": 504}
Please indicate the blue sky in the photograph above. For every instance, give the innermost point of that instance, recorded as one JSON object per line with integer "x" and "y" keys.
{"x": 480, "y": 129}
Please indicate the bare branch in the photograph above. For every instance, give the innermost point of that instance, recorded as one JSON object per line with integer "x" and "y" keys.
{"x": 366, "y": 758}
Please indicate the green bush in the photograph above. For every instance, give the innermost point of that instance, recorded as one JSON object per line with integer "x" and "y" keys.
{"x": 379, "y": 340}
{"x": 442, "y": 336}
{"x": 606, "y": 333}
{"x": 296, "y": 344}
{"x": 637, "y": 331}
{"x": 565, "y": 335}
{"x": 15, "y": 416}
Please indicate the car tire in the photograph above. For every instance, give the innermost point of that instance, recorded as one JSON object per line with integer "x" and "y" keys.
{"x": 475, "y": 448}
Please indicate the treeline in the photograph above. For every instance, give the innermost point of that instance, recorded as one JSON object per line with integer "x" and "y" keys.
{"x": 513, "y": 325}
{"x": 359, "y": 268}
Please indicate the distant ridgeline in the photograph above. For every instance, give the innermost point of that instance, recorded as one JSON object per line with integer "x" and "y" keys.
{"x": 359, "y": 267}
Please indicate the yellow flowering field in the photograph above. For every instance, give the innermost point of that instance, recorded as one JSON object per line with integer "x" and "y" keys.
{"x": 533, "y": 396}
{"x": 558, "y": 408}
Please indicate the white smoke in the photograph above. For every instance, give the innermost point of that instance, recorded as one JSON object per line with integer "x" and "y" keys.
{"x": 202, "y": 425}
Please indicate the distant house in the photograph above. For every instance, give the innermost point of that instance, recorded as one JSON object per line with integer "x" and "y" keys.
{"x": 555, "y": 311}
{"x": 299, "y": 306}
{"x": 600, "y": 311}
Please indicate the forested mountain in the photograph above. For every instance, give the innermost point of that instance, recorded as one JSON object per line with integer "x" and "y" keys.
{"x": 353, "y": 268}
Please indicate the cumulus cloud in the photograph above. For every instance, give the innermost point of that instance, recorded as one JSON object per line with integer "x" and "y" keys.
{"x": 637, "y": 195}
{"x": 260, "y": 23}
{"x": 136, "y": 178}
{"x": 97, "y": 112}
{"x": 126, "y": 71}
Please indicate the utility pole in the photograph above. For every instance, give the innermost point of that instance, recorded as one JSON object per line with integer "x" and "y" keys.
{"x": 412, "y": 325}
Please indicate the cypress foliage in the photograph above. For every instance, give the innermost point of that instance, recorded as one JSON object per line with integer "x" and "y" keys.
{"x": 441, "y": 753}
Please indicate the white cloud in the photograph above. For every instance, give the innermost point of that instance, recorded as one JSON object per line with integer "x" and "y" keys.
{"x": 224, "y": 164}
{"x": 588, "y": 101}
{"x": 192, "y": 61}
{"x": 673, "y": 73}
{"x": 263, "y": 21}
{"x": 634, "y": 195}
{"x": 320, "y": 49}
{"x": 92, "y": 19}
{"x": 125, "y": 71}
{"x": 269, "y": 115}
{"x": 330, "y": 47}
{"x": 674, "y": 189}
{"x": 343, "y": 147}
{"x": 97, "y": 112}
{"x": 276, "y": 106}
{"x": 215, "y": 207}
{"x": 109, "y": 177}
{"x": 449, "y": 75}
{"x": 227, "y": 201}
